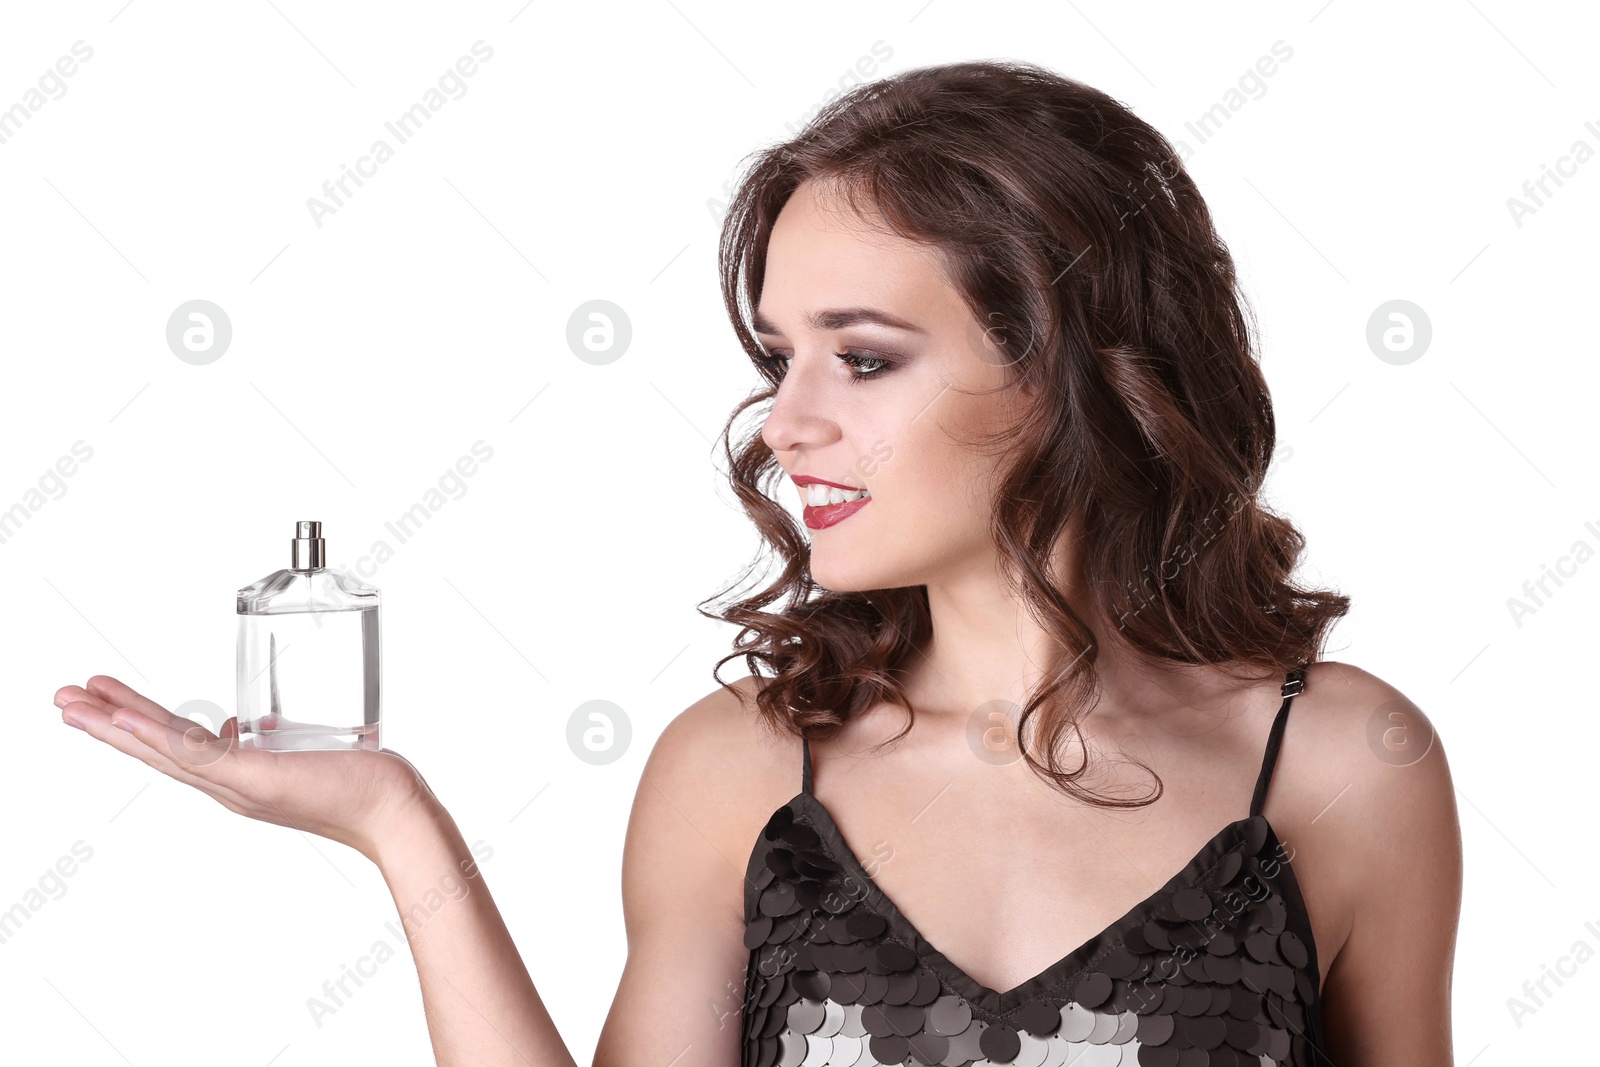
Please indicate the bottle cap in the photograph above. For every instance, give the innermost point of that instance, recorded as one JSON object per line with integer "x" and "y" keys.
{"x": 309, "y": 549}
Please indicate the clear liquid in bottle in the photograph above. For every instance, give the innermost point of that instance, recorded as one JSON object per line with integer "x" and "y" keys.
{"x": 308, "y": 655}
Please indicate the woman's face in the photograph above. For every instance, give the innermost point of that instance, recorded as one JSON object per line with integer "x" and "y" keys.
{"x": 835, "y": 284}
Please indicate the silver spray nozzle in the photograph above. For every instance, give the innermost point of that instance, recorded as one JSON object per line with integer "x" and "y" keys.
{"x": 309, "y": 549}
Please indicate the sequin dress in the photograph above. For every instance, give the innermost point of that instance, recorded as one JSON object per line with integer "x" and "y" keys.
{"x": 1216, "y": 968}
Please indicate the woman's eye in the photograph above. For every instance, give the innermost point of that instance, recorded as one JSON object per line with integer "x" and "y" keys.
{"x": 876, "y": 366}
{"x": 863, "y": 365}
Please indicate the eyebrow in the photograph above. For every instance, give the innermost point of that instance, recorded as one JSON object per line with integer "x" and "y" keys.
{"x": 840, "y": 318}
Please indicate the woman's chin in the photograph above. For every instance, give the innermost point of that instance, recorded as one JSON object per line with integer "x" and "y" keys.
{"x": 849, "y": 576}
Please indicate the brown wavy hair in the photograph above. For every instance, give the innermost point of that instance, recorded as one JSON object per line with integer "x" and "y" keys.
{"x": 1069, "y": 226}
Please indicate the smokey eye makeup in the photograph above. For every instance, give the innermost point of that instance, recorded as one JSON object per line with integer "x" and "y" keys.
{"x": 863, "y": 364}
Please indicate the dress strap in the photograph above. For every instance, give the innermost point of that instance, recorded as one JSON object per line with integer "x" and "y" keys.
{"x": 1292, "y": 686}
{"x": 805, "y": 771}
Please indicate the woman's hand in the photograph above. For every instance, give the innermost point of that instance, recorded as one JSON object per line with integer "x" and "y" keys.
{"x": 347, "y": 797}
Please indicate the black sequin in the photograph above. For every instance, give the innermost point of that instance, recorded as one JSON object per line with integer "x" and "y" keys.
{"x": 1217, "y": 968}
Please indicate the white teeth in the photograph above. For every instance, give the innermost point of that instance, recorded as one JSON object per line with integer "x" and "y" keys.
{"x": 821, "y": 495}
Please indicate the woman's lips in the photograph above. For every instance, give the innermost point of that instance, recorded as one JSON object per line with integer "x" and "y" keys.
{"x": 822, "y": 516}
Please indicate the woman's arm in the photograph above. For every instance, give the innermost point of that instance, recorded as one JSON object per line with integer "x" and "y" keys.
{"x": 679, "y": 1000}
{"x": 706, "y": 791}
{"x": 481, "y": 1005}
{"x": 697, "y": 810}
{"x": 1397, "y": 840}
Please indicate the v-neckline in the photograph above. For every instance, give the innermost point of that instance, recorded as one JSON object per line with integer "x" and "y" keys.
{"x": 1054, "y": 977}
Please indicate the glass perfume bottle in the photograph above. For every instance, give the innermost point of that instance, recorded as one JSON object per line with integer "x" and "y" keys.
{"x": 308, "y": 663}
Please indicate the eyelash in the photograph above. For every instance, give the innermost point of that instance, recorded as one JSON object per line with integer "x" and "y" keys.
{"x": 851, "y": 358}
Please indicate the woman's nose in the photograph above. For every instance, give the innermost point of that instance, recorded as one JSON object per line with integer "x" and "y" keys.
{"x": 799, "y": 416}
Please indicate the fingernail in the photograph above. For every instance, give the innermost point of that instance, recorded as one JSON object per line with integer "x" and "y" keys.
{"x": 124, "y": 723}
{"x": 61, "y": 702}
{"x": 72, "y": 720}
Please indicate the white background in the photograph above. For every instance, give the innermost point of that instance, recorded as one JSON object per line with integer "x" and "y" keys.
{"x": 430, "y": 311}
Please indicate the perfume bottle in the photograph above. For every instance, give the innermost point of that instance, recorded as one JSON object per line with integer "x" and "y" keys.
{"x": 308, "y": 655}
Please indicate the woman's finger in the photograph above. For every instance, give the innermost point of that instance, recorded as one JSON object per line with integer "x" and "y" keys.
{"x": 117, "y": 695}
{"x": 68, "y": 693}
{"x": 72, "y": 693}
{"x": 96, "y": 721}
{"x": 185, "y": 742}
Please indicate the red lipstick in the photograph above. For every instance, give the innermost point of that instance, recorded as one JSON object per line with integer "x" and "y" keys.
{"x": 822, "y": 516}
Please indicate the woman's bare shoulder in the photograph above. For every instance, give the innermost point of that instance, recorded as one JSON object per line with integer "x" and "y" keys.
{"x": 713, "y": 778}
{"x": 1362, "y": 792}
{"x": 1355, "y": 752}
{"x": 1353, "y": 726}
{"x": 724, "y": 731}
{"x": 724, "y": 768}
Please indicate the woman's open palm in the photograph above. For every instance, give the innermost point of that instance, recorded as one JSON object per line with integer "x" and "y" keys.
{"x": 344, "y": 796}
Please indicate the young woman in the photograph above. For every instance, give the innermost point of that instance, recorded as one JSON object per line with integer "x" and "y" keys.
{"x": 1013, "y": 778}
